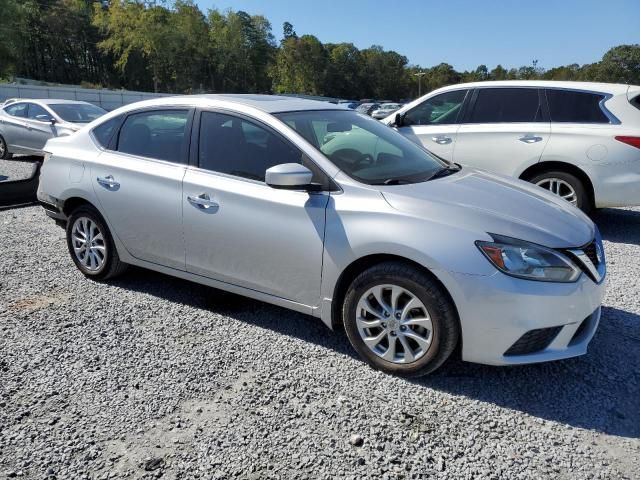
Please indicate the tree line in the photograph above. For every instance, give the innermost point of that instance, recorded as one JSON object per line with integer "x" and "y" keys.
{"x": 175, "y": 47}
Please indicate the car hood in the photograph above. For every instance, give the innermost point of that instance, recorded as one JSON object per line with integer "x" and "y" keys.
{"x": 488, "y": 203}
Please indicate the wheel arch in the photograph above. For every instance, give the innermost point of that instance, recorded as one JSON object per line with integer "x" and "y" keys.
{"x": 71, "y": 203}
{"x": 361, "y": 264}
{"x": 552, "y": 165}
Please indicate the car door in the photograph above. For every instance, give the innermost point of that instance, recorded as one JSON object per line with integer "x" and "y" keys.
{"x": 239, "y": 230}
{"x": 14, "y": 126}
{"x": 138, "y": 181}
{"x": 39, "y": 128}
{"x": 505, "y": 130}
{"x": 434, "y": 122}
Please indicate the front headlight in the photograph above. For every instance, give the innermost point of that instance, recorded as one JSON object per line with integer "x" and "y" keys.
{"x": 529, "y": 261}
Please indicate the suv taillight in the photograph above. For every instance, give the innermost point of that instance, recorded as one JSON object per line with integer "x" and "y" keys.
{"x": 633, "y": 141}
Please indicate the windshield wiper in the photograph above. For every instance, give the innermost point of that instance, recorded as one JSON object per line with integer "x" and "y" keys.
{"x": 393, "y": 181}
{"x": 446, "y": 171}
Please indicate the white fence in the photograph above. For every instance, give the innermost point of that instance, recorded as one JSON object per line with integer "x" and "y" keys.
{"x": 107, "y": 99}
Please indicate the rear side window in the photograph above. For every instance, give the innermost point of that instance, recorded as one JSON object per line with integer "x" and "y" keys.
{"x": 636, "y": 102}
{"x": 156, "y": 134}
{"x": 506, "y": 105}
{"x": 566, "y": 106}
{"x": 241, "y": 148}
{"x": 18, "y": 110}
{"x": 103, "y": 132}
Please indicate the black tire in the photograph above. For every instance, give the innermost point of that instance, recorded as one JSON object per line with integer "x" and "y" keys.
{"x": 583, "y": 200}
{"x": 4, "y": 152}
{"x": 444, "y": 317}
{"x": 111, "y": 266}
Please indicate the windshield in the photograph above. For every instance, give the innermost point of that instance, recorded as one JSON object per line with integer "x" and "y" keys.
{"x": 77, "y": 112}
{"x": 363, "y": 148}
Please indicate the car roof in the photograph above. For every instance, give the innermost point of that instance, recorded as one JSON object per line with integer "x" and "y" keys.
{"x": 266, "y": 103}
{"x": 612, "y": 88}
{"x": 50, "y": 101}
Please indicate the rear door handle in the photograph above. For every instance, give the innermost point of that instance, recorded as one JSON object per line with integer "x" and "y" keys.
{"x": 441, "y": 139}
{"x": 530, "y": 139}
{"x": 202, "y": 201}
{"x": 108, "y": 182}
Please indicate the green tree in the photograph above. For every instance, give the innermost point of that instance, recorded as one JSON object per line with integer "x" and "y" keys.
{"x": 300, "y": 66}
{"x": 344, "y": 70}
{"x": 620, "y": 64}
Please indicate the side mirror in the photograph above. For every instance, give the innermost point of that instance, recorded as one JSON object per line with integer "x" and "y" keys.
{"x": 399, "y": 121}
{"x": 45, "y": 118}
{"x": 289, "y": 176}
{"x": 52, "y": 121}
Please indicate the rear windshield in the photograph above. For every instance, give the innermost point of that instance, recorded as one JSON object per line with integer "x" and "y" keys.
{"x": 77, "y": 112}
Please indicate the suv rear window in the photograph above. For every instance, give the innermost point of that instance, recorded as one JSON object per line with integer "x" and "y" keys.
{"x": 566, "y": 106}
{"x": 507, "y": 105}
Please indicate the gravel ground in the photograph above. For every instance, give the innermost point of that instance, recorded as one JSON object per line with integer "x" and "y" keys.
{"x": 149, "y": 376}
{"x": 20, "y": 168}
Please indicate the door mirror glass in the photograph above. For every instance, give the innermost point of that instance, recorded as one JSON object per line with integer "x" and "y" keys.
{"x": 45, "y": 118}
{"x": 289, "y": 176}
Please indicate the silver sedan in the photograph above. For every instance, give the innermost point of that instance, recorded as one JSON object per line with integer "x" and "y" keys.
{"x": 26, "y": 125}
{"x": 328, "y": 212}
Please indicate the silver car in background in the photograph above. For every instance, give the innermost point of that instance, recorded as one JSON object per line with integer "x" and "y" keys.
{"x": 385, "y": 110}
{"x": 328, "y": 212}
{"x": 26, "y": 125}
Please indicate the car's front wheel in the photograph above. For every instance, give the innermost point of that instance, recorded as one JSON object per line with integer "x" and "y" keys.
{"x": 400, "y": 319}
{"x": 91, "y": 246}
{"x": 566, "y": 186}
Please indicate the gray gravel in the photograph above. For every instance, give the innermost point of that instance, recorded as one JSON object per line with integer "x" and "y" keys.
{"x": 149, "y": 376}
{"x": 20, "y": 168}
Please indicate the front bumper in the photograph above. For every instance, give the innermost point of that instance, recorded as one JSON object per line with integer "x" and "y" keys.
{"x": 497, "y": 311}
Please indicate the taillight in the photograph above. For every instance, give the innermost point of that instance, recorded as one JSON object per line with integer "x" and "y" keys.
{"x": 633, "y": 141}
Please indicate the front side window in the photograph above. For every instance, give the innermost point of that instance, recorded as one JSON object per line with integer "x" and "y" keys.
{"x": 156, "y": 134}
{"x": 442, "y": 109}
{"x": 36, "y": 112}
{"x": 77, "y": 112}
{"x": 566, "y": 106}
{"x": 238, "y": 147}
{"x": 18, "y": 110}
{"x": 363, "y": 148}
{"x": 506, "y": 105}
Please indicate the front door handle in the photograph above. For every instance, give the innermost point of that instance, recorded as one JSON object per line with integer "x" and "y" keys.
{"x": 202, "y": 201}
{"x": 530, "y": 139}
{"x": 108, "y": 182}
{"x": 441, "y": 139}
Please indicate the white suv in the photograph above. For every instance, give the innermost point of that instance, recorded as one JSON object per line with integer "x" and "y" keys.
{"x": 579, "y": 140}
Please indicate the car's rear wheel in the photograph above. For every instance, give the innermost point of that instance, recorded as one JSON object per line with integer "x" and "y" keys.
{"x": 4, "y": 149}
{"x": 91, "y": 246}
{"x": 400, "y": 320}
{"x": 566, "y": 186}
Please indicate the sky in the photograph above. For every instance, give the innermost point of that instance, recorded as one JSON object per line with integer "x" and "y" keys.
{"x": 463, "y": 33}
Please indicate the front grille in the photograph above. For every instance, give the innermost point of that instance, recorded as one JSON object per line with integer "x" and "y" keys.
{"x": 533, "y": 341}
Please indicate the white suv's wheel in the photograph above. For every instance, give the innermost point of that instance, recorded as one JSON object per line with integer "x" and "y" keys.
{"x": 566, "y": 186}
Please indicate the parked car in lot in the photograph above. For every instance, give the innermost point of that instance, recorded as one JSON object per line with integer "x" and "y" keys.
{"x": 578, "y": 140}
{"x": 367, "y": 108}
{"x": 253, "y": 195}
{"x": 385, "y": 110}
{"x": 26, "y": 125}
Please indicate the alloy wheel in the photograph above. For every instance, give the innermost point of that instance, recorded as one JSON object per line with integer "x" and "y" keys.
{"x": 559, "y": 187}
{"x": 3, "y": 148}
{"x": 88, "y": 244}
{"x": 394, "y": 324}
